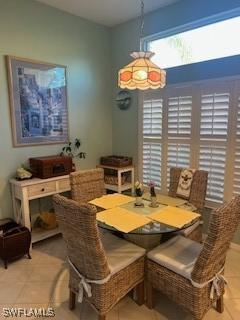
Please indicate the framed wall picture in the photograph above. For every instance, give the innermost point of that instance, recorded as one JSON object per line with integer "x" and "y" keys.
{"x": 38, "y": 102}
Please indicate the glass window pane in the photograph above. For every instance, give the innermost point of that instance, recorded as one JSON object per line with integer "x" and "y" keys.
{"x": 213, "y": 41}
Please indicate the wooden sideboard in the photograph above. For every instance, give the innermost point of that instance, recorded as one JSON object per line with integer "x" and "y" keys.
{"x": 25, "y": 191}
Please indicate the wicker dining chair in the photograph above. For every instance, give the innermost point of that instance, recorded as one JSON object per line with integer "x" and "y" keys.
{"x": 87, "y": 185}
{"x": 106, "y": 268}
{"x": 197, "y": 198}
{"x": 187, "y": 271}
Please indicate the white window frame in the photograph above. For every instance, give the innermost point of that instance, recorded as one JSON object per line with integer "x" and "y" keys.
{"x": 195, "y": 139}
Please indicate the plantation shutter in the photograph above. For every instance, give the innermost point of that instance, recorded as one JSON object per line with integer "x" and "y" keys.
{"x": 212, "y": 159}
{"x": 178, "y": 155}
{"x": 236, "y": 169}
{"x": 179, "y": 132}
{"x": 213, "y": 141}
{"x": 179, "y": 116}
{"x": 152, "y": 118}
{"x": 152, "y": 163}
{"x": 214, "y": 115}
{"x": 152, "y": 141}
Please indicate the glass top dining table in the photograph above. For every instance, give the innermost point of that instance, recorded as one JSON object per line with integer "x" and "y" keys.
{"x": 152, "y": 228}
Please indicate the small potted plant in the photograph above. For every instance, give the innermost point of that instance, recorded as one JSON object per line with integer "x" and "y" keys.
{"x": 72, "y": 150}
{"x": 138, "y": 193}
{"x": 153, "y": 196}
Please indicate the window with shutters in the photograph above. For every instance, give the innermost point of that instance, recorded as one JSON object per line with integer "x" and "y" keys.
{"x": 194, "y": 125}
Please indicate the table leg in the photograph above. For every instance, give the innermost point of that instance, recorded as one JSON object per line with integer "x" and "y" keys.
{"x": 26, "y": 210}
{"x": 119, "y": 181}
{"x": 132, "y": 180}
{"x": 15, "y": 211}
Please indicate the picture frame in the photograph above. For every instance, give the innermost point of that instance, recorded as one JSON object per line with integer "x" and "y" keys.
{"x": 38, "y": 102}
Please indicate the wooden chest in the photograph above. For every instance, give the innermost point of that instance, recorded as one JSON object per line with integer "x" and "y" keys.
{"x": 51, "y": 166}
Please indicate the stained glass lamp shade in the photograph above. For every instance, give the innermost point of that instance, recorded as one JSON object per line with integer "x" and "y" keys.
{"x": 142, "y": 73}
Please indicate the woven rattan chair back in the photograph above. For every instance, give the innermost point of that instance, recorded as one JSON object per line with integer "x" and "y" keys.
{"x": 223, "y": 224}
{"x": 80, "y": 232}
{"x": 87, "y": 185}
{"x": 198, "y": 187}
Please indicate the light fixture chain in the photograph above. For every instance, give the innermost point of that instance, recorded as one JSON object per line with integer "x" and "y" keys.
{"x": 142, "y": 19}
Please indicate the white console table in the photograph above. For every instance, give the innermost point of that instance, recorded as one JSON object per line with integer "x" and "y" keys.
{"x": 24, "y": 191}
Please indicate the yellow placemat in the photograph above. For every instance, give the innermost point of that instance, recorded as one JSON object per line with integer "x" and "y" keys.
{"x": 174, "y": 217}
{"x": 111, "y": 200}
{"x": 122, "y": 219}
{"x": 168, "y": 201}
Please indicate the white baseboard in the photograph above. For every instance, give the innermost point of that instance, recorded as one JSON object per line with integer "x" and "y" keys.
{"x": 235, "y": 246}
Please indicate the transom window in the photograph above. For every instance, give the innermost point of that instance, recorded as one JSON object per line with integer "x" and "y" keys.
{"x": 212, "y": 41}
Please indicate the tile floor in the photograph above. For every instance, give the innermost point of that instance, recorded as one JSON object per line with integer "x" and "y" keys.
{"x": 43, "y": 282}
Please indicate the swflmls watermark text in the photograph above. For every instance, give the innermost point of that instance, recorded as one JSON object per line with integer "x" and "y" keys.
{"x": 27, "y": 312}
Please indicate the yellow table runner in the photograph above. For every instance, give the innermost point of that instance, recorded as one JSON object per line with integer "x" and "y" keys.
{"x": 174, "y": 217}
{"x": 122, "y": 219}
{"x": 110, "y": 201}
{"x": 168, "y": 201}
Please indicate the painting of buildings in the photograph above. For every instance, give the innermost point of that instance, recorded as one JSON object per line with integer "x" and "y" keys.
{"x": 40, "y": 103}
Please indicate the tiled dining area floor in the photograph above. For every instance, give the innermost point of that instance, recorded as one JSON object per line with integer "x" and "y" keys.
{"x": 43, "y": 282}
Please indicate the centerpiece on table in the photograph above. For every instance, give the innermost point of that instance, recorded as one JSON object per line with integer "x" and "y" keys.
{"x": 139, "y": 193}
{"x": 153, "y": 196}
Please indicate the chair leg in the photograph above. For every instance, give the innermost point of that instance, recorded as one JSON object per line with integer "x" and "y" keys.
{"x": 72, "y": 299}
{"x": 131, "y": 293}
{"x": 140, "y": 293}
{"x": 220, "y": 305}
{"x": 101, "y": 317}
{"x": 149, "y": 301}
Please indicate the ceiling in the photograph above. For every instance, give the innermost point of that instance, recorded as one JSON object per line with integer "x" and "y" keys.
{"x": 107, "y": 12}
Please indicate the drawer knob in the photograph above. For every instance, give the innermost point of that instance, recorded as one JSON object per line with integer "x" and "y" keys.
{"x": 43, "y": 189}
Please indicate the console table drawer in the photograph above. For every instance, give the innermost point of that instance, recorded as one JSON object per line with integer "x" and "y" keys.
{"x": 41, "y": 188}
{"x": 64, "y": 184}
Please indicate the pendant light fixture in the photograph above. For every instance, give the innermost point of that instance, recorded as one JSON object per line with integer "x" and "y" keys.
{"x": 141, "y": 73}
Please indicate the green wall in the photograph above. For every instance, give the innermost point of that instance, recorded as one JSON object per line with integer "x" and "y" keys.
{"x": 31, "y": 30}
{"x": 125, "y": 39}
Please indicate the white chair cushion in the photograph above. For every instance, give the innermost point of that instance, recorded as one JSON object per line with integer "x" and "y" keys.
{"x": 177, "y": 254}
{"x": 120, "y": 253}
{"x": 186, "y": 232}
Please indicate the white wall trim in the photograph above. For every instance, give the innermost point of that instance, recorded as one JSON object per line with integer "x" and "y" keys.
{"x": 235, "y": 246}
